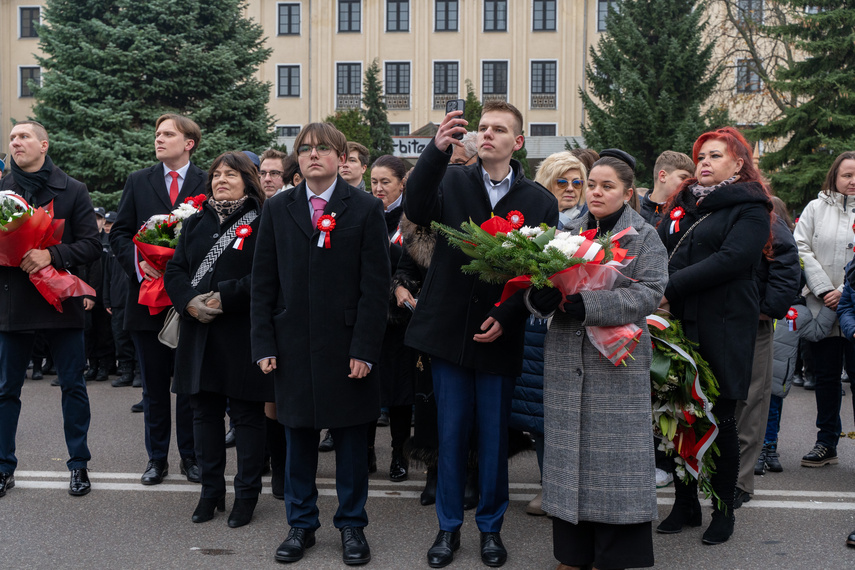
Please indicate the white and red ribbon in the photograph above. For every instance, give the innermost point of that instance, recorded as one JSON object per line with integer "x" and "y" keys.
{"x": 792, "y": 315}
{"x": 676, "y": 215}
{"x": 242, "y": 233}
{"x": 397, "y": 237}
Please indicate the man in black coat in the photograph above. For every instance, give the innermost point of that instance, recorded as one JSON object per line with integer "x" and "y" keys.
{"x": 476, "y": 348}
{"x": 115, "y": 296}
{"x": 148, "y": 192}
{"x": 24, "y": 310}
{"x": 318, "y": 306}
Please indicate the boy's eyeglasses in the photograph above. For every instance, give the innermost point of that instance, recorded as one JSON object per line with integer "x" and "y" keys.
{"x": 577, "y": 183}
{"x": 322, "y": 149}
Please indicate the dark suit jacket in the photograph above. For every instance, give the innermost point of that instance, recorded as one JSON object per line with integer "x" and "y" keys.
{"x": 21, "y": 306}
{"x": 314, "y": 308}
{"x": 145, "y": 195}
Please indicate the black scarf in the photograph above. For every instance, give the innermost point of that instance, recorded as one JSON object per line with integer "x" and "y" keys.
{"x": 31, "y": 184}
{"x": 606, "y": 223}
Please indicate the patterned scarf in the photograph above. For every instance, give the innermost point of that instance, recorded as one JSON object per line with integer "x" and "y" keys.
{"x": 225, "y": 208}
{"x": 701, "y": 192}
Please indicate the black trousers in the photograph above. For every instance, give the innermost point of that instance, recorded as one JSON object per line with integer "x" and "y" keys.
{"x": 125, "y": 351}
{"x": 209, "y": 411}
{"x": 99, "y": 335}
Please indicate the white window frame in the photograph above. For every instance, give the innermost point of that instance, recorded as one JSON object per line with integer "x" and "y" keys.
{"x": 507, "y": 79}
{"x": 300, "y": 15}
{"x": 21, "y": 83}
{"x": 299, "y": 67}
{"x": 361, "y": 14}
{"x": 20, "y": 20}
{"x": 541, "y": 123}
{"x": 386, "y": 20}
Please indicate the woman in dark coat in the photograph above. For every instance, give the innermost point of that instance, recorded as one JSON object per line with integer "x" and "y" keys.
{"x": 721, "y": 228}
{"x": 397, "y": 373}
{"x": 212, "y": 361}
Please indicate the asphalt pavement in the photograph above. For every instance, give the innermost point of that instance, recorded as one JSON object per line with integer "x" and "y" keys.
{"x": 798, "y": 519}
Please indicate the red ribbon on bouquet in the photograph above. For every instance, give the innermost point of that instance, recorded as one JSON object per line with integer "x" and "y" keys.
{"x": 153, "y": 292}
{"x": 37, "y": 229}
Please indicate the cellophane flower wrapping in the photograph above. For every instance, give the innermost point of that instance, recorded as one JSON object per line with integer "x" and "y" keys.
{"x": 156, "y": 241}
{"x": 23, "y": 228}
{"x": 542, "y": 256}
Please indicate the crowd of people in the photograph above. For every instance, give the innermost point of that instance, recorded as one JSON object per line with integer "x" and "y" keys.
{"x": 308, "y": 300}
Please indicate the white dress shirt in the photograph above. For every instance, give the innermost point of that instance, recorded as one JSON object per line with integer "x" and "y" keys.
{"x": 182, "y": 174}
{"x": 497, "y": 191}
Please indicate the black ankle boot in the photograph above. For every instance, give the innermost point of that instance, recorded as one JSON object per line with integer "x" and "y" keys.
{"x": 242, "y": 512}
{"x": 276, "y": 446}
{"x": 428, "y": 496}
{"x": 205, "y": 509}
{"x": 721, "y": 527}
{"x": 92, "y": 371}
{"x": 686, "y": 510}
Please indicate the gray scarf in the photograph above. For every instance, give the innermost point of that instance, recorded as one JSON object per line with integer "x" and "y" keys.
{"x": 701, "y": 192}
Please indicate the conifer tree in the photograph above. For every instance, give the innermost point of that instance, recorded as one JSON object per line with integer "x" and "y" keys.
{"x": 649, "y": 78}
{"x": 375, "y": 112}
{"x": 472, "y": 113}
{"x": 822, "y": 124}
{"x": 352, "y": 125}
{"x": 111, "y": 68}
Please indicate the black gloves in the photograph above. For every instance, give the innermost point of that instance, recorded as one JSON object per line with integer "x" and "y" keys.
{"x": 545, "y": 300}
{"x": 575, "y": 307}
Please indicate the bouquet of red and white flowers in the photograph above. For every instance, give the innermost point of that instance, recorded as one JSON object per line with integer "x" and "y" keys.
{"x": 23, "y": 228}
{"x": 156, "y": 241}
{"x": 506, "y": 251}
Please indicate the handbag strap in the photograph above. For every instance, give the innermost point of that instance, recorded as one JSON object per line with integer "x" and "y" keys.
{"x": 220, "y": 246}
{"x": 704, "y": 217}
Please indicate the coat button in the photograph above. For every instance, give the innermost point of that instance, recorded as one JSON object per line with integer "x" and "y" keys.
{"x": 579, "y": 333}
{"x": 578, "y": 372}
{"x": 849, "y": 245}
{"x": 215, "y": 236}
{"x": 474, "y": 298}
{"x": 5, "y": 287}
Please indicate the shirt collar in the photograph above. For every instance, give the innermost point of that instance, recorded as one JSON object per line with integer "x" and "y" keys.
{"x": 396, "y": 203}
{"x": 488, "y": 182}
{"x": 326, "y": 195}
{"x": 182, "y": 172}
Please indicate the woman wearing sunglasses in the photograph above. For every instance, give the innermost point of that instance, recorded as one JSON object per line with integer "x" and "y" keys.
{"x": 564, "y": 175}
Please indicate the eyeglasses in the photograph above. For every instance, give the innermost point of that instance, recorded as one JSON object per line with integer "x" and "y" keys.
{"x": 577, "y": 183}
{"x": 306, "y": 149}
{"x": 272, "y": 173}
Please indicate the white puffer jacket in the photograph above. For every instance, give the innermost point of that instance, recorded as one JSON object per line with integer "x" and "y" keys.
{"x": 825, "y": 238}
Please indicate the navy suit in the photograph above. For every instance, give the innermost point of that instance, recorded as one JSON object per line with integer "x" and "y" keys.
{"x": 145, "y": 195}
{"x": 314, "y": 309}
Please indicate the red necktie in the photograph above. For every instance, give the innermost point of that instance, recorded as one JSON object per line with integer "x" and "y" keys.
{"x": 318, "y": 205}
{"x": 173, "y": 187}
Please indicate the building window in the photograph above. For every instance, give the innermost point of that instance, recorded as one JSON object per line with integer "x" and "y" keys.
{"x": 397, "y": 15}
{"x": 445, "y": 82}
{"x": 749, "y": 11}
{"x": 495, "y": 78}
{"x": 400, "y": 129}
{"x": 288, "y": 81}
{"x": 495, "y": 15}
{"x": 28, "y": 73}
{"x": 287, "y": 130}
{"x": 542, "y": 129}
{"x": 543, "y": 17}
{"x": 747, "y": 80}
{"x": 397, "y": 81}
{"x": 29, "y": 17}
{"x": 289, "y": 19}
{"x": 602, "y": 12}
{"x": 446, "y": 15}
{"x": 543, "y": 81}
{"x": 348, "y": 85}
{"x": 349, "y": 15}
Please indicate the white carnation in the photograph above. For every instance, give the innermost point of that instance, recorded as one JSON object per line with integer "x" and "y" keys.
{"x": 154, "y": 220}
{"x": 531, "y": 232}
{"x": 566, "y": 243}
{"x": 184, "y": 211}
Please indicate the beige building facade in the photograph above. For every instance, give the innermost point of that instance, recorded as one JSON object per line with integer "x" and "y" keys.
{"x": 531, "y": 53}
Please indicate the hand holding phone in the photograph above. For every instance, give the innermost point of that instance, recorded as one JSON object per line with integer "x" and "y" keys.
{"x": 456, "y": 105}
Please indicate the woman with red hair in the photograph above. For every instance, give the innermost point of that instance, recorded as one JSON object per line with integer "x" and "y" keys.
{"x": 715, "y": 229}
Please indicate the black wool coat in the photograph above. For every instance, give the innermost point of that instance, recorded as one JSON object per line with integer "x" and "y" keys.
{"x": 145, "y": 195}
{"x": 314, "y": 309}
{"x": 712, "y": 285}
{"x": 779, "y": 278}
{"x": 452, "y": 306}
{"x": 22, "y": 308}
{"x": 215, "y": 357}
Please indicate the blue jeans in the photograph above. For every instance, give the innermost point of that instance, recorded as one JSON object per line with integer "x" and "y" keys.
{"x": 69, "y": 357}
{"x": 773, "y": 424}
{"x": 467, "y": 397}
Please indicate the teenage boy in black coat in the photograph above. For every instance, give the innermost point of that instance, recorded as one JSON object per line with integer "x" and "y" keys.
{"x": 318, "y": 307}
{"x": 476, "y": 348}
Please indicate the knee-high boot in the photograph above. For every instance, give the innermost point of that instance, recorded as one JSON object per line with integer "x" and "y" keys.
{"x": 276, "y": 444}
{"x": 724, "y": 483}
{"x": 686, "y": 510}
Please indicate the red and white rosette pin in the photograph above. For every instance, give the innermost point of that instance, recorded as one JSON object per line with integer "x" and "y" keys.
{"x": 792, "y": 315}
{"x": 242, "y": 232}
{"x": 397, "y": 237}
{"x": 516, "y": 219}
{"x": 326, "y": 224}
{"x": 677, "y": 214}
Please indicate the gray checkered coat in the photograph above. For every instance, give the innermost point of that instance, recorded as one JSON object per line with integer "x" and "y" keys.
{"x": 598, "y": 462}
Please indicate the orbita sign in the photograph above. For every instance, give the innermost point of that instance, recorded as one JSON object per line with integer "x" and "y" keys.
{"x": 409, "y": 147}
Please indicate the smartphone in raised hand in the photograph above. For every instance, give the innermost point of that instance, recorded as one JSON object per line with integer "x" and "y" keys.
{"x": 456, "y": 105}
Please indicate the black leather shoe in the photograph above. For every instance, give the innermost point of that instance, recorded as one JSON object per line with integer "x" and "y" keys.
{"x": 230, "y": 438}
{"x": 242, "y": 512}
{"x": 354, "y": 547}
{"x": 206, "y": 507}
{"x": 103, "y": 373}
{"x": 850, "y": 540}
{"x": 493, "y": 552}
{"x": 398, "y": 470}
{"x": 137, "y": 379}
{"x": 137, "y": 408}
{"x": 91, "y": 372}
{"x": 327, "y": 444}
{"x": 154, "y": 473}
{"x": 740, "y": 498}
{"x": 37, "y": 374}
{"x": 79, "y": 484}
{"x": 295, "y": 546}
{"x": 190, "y": 469}
{"x": 126, "y": 379}
{"x": 441, "y": 553}
{"x": 7, "y": 481}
